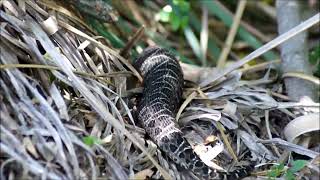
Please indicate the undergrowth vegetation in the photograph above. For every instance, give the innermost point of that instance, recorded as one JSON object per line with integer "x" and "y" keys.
{"x": 68, "y": 90}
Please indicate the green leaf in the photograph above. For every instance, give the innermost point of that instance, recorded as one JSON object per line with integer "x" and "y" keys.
{"x": 275, "y": 171}
{"x": 289, "y": 176}
{"x": 215, "y": 9}
{"x": 175, "y": 21}
{"x": 91, "y": 140}
{"x": 193, "y": 41}
{"x": 272, "y": 174}
{"x": 314, "y": 59}
{"x": 280, "y": 167}
{"x": 183, "y": 5}
{"x": 176, "y": 12}
{"x": 297, "y": 165}
{"x": 164, "y": 16}
{"x": 314, "y": 55}
{"x": 213, "y": 48}
{"x": 184, "y": 22}
{"x": 101, "y": 29}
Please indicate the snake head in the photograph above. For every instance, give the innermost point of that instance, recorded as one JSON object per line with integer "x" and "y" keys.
{"x": 150, "y": 57}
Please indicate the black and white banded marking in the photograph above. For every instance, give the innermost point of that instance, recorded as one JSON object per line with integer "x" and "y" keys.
{"x": 163, "y": 83}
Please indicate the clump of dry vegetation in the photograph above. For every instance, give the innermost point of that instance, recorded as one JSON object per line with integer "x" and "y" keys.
{"x": 68, "y": 95}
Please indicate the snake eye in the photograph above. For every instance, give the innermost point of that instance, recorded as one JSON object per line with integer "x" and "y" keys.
{"x": 174, "y": 159}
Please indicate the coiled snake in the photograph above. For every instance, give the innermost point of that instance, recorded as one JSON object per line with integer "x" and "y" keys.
{"x": 163, "y": 83}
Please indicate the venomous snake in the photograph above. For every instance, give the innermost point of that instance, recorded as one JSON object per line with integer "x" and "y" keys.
{"x": 163, "y": 83}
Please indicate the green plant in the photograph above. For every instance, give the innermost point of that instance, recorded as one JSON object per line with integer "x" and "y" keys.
{"x": 276, "y": 170}
{"x": 91, "y": 140}
{"x": 176, "y": 13}
{"x": 288, "y": 172}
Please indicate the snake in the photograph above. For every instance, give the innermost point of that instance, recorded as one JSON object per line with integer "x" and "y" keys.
{"x": 162, "y": 93}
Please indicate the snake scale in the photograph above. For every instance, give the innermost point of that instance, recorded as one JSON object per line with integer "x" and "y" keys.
{"x": 163, "y": 83}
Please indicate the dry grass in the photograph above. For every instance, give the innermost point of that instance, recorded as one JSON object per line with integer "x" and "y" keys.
{"x": 61, "y": 90}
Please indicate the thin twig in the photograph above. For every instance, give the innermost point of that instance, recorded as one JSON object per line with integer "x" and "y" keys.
{"x": 232, "y": 33}
{"x": 266, "y": 115}
{"x": 40, "y": 66}
{"x": 204, "y": 35}
{"x": 300, "y": 75}
{"x": 259, "y": 67}
{"x": 132, "y": 41}
{"x": 280, "y": 39}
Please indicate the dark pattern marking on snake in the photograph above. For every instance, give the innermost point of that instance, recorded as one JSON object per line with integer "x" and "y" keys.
{"x": 163, "y": 83}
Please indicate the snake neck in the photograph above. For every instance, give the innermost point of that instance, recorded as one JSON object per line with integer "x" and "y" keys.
{"x": 162, "y": 80}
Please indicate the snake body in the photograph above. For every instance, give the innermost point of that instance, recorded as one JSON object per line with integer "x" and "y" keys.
{"x": 163, "y": 83}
